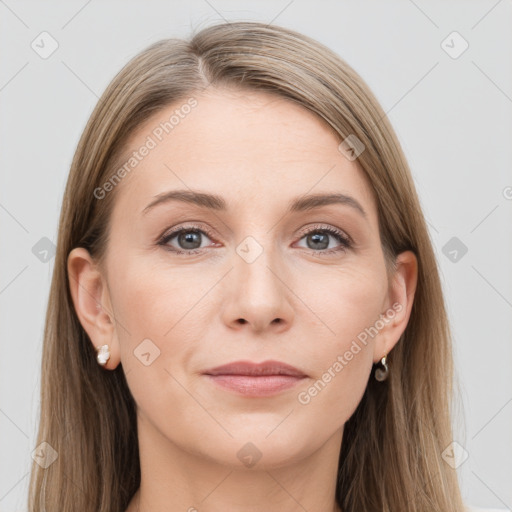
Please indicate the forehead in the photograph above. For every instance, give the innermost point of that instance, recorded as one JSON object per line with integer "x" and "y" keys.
{"x": 250, "y": 147}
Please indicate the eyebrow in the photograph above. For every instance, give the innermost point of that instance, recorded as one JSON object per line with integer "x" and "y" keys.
{"x": 216, "y": 202}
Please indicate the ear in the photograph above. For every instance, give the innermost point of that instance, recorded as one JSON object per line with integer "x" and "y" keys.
{"x": 92, "y": 303}
{"x": 398, "y": 304}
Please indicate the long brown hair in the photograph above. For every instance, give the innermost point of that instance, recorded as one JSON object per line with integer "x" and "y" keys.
{"x": 391, "y": 455}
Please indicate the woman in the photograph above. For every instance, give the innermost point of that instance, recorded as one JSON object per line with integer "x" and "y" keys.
{"x": 246, "y": 311}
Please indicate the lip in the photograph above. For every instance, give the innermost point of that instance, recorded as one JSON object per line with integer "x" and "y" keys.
{"x": 256, "y": 369}
{"x": 255, "y": 379}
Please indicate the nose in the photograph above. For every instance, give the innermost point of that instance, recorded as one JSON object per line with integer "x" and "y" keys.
{"x": 257, "y": 296}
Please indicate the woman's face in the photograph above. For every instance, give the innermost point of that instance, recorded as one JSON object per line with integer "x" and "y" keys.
{"x": 254, "y": 277}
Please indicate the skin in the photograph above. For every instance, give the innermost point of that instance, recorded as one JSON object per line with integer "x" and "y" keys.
{"x": 258, "y": 152}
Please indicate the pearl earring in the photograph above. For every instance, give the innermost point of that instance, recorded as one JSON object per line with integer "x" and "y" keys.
{"x": 102, "y": 355}
{"x": 382, "y": 374}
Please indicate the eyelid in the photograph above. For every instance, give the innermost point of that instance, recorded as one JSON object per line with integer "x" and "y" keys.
{"x": 185, "y": 227}
{"x": 326, "y": 227}
{"x": 346, "y": 240}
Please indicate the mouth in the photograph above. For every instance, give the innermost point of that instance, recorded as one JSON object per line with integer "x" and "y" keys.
{"x": 255, "y": 379}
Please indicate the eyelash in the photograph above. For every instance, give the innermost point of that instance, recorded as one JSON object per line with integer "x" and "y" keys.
{"x": 345, "y": 241}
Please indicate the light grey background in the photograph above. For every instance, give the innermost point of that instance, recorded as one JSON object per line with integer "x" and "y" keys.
{"x": 452, "y": 116}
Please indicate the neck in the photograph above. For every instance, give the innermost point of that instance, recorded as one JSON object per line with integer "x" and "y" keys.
{"x": 175, "y": 478}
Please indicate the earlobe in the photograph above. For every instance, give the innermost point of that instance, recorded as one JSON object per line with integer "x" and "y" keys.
{"x": 402, "y": 289}
{"x": 92, "y": 303}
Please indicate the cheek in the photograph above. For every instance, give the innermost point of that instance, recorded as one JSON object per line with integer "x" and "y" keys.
{"x": 348, "y": 306}
{"x": 151, "y": 298}
{"x": 153, "y": 304}
{"x": 163, "y": 311}
{"x": 346, "y": 300}
{"x": 336, "y": 392}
